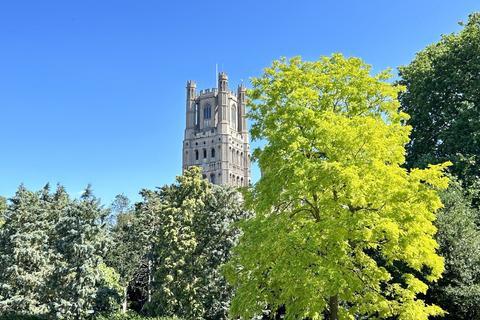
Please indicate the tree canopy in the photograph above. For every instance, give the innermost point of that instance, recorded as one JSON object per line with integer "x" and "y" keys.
{"x": 341, "y": 228}
{"x": 442, "y": 97}
{"x": 194, "y": 235}
{"x": 51, "y": 249}
{"x": 127, "y": 249}
{"x": 458, "y": 291}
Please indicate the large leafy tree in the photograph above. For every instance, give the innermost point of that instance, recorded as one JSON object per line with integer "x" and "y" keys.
{"x": 458, "y": 291}
{"x": 195, "y": 234}
{"x": 341, "y": 228}
{"x": 443, "y": 82}
{"x": 443, "y": 100}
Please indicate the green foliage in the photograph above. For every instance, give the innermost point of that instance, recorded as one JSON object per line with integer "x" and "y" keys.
{"x": 3, "y": 204}
{"x": 110, "y": 277}
{"x": 3, "y": 208}
{"x": 25, "y": 259}
{"x": 51, "y": 249}
{"x": 443, "y": 82}
{"x": 20, "y": 317}
{"x": 121, "y": 204}
{"x": 127, "y": 247}
{"x": 113, "y": 316}
{"x": 80, "y": 243}
{"x": 130, "y": 316}
{"x": 458, "y": 291}
{"x": 334, "y": 206}
{"x": 194, "y": 236}
{"x": 109, "y": 293}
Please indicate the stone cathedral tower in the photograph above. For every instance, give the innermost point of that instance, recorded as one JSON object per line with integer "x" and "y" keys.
{"x": 216, "y": 134}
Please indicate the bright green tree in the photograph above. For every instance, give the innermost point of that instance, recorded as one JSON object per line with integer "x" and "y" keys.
{"x": 458, "y": 291}
{"x": 25, "y": 257}
{"x": 195, "y": 234}
{"x": 336, "y": 213}
{"x": 109, "y": 291}
{"x": 443, "y": 100}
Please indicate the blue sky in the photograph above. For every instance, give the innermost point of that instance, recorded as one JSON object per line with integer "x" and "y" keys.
{"x": 93, "y": 91}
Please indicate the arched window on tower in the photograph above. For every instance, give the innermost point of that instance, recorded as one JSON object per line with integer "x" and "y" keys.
{"x": 197, "y": 115}
{"x": 204, "y": 153}
{"x": 196, "y": 154}
{"x": 234, "y": 117}
{"x": 207, "y": 115}
{"x": 212, "y": 178}
{"x": 213, "y": 153}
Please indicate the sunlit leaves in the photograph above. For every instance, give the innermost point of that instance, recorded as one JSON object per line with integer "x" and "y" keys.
{"x": 336, "y": 213}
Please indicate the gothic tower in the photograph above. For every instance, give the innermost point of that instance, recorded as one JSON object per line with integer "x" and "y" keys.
{"x": 216, "y": 135}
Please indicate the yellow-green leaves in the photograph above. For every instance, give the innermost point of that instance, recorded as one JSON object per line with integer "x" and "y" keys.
{"x": 336, "y": 213}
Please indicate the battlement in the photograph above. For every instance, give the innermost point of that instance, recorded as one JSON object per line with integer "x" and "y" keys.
{"x": 208, "y": 91}
{"x": 214, "y": 91}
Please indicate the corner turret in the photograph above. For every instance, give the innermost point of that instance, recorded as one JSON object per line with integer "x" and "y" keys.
{"x": 190, "y": 104}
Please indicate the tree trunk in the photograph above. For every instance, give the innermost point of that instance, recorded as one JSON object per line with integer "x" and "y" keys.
{"x": 124, "y": 302}
{"x": 149, "y": 292}
{"x": 333, "y": 306}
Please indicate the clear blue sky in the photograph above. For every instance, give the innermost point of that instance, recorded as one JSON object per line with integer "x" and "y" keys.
{"x": 93, "y": 91}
